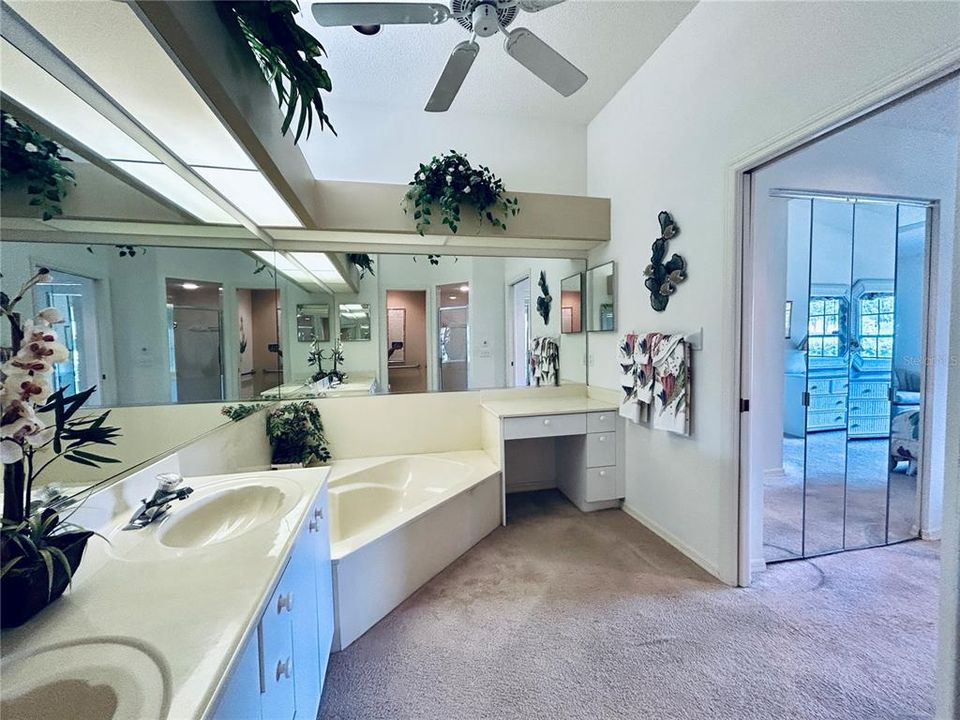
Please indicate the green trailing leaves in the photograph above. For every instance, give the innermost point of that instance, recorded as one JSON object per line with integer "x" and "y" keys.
{"x": 449, "y": 183}
{"x": 290, "y": 59}
{"x": 29, "y": 156}
{"x": 296, "y": 434}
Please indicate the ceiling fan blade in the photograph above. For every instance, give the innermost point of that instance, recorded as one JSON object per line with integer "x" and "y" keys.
{"x": 532, "y": 6}
{"x": 452, "y": 77}
{"x": 544, "y": 62}
{"x": 337, "y": 14}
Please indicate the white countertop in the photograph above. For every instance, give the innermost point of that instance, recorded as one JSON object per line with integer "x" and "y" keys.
{"x": 189, "y": 609}
{"x": 527, "y": 406}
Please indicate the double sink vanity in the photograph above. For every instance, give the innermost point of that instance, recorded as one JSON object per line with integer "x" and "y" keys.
{"x": 248, "y": 636}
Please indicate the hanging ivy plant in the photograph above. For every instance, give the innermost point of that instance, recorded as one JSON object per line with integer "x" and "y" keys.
{"x": 448, "y": 183}
{"x": 363, "y": 263}
{"x": 289, "y": 57}
{"x": 30, "y": 156}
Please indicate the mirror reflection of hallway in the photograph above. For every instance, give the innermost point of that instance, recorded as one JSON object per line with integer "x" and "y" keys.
{"x": 407, "y": 340}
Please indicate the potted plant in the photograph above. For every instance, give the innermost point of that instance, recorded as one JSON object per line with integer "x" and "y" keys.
{"x": 448, "y": 183}
{"x": 39, "y": 550}
{"x": 296, "y": 435}
{"x": 29, "y": 156}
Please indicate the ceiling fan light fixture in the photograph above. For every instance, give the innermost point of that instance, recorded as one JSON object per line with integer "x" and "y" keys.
{"x": 368, "y": 29}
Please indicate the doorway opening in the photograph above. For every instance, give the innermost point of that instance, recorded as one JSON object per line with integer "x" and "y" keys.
{"x": 453, "y": 335}
{"x": 195, "y": 335}
{"x": 407, "y": 340}
{"x": 848, "y": 274}
{"x": 75, "y": 296}
{"x": 519, "y": 324}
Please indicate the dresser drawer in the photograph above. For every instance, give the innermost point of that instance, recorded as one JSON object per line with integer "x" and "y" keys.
{"x": 874, "y": 390}
{"x": 536, "y": 426}
{"x": 861, "y": 407}
{"x": 823, "y": 420}
{"x": 602, "y": 421}
{"x": 828, "y": 402}
{"x": 819, "y": 386}
{"x": 601, "y": 449}
{"x": 601, "y": 484}
{"x": 876, "y": 426}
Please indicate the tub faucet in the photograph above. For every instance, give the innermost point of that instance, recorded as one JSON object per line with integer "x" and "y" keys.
{"x": 152, "y": 509}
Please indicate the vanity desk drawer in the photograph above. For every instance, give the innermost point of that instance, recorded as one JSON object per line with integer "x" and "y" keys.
{"x": 601, "y": 449}
{"x": 516, "y": 428}
{"x": 601, "y": 422}
{"x": 601, "y": 484}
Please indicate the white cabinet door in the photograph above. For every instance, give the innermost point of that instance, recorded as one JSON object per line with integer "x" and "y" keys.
{"x": 301, "y": 577}
{"x": 276, "y": 632}
{"x": 240, "y": 699}
{"x": 324, "y": 580}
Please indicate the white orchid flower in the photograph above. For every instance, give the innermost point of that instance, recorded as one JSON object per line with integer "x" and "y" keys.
{"x": 50, "y": 316}
{"x": 28, "y": 387}
{"x": 11, "y": 122}
{"x": 449, "y": 179}
{"x": 10, "y": 452}
{"x": 30, "y": 148}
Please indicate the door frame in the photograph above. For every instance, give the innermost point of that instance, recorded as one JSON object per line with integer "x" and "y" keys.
{"x": 736, "y": 261}
{"x": 511, "y": 350}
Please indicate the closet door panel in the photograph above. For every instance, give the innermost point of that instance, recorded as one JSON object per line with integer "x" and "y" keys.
{"x": 827, "y": 319}
{"x": 871, "y": 352}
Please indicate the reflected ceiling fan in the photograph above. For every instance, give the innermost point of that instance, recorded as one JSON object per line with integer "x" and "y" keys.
{"x": 482, "y": 18}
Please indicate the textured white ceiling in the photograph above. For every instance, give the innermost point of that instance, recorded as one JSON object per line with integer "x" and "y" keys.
{"x": 398, "y": 67}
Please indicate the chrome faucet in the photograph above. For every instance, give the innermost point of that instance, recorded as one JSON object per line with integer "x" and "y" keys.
{"x": 154, "y": 508}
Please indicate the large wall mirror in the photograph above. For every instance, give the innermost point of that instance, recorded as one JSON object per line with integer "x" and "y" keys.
{"x": 173, "y": 331}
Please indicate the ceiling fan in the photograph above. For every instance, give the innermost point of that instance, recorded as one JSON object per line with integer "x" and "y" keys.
{"x": 482, "y": 18}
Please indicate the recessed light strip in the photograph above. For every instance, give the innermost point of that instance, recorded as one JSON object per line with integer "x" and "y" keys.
{"x": 32, "y": 44}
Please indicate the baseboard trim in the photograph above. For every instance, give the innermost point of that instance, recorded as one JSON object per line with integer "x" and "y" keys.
{"x": 774, "y": 474}
{"x": 934, "y": 534}
{"x": 758, "y": 565}
{"x": 673, "y": 540}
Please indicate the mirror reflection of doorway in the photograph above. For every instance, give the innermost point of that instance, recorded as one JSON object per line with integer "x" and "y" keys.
{"x": 407, "y": 340}
{"x": 520, "y": 332}
{"x": 453, "y": 310}
{"x": 195, "y": 333}
{"x": 75, "y": 297}
{"x": 260, "y": 368}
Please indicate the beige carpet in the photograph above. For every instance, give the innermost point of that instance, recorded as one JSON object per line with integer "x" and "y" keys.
{"x": 565, "y": 615}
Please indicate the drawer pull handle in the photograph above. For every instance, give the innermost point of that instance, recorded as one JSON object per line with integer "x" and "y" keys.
{"x": 867, "y": 391}
{"x": 285, "y": 602}
{"x": 318, "y": 513}
{"x": 283, "y": 669}
{"x": 546, "y": 421}
{"x": 312, "y": 527}
{"x": 602, "y": 418}
{"x": 603, "y": 473}
{"x": 602, "y": 438}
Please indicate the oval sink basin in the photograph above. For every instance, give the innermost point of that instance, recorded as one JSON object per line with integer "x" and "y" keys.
{"x": 96, "y": 679}
{"x": 221, "y": 515}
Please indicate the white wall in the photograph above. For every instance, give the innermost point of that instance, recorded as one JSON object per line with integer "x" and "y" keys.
{"x": 733, "y": 77}
{"x": 376, "y": 144}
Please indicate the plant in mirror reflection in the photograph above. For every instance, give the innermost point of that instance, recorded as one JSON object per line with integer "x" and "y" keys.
{"x": 30, "y": 156}
{"x": 39, "y": 425}
{"x": 296, "y": 434}
{"x": 240, "y": 411}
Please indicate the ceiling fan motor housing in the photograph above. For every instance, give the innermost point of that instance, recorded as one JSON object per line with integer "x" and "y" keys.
{"x": 484, "y": 19}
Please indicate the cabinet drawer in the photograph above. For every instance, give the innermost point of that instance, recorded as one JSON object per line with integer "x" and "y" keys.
{"x": 861, "y": 407}
{"x": 828, "y": 402}
{"x": 878, "y": 426}
{"x": 601, "y": 484}
{"x": 876, "y": 390}
{"x": 544, "y": 426}
{"x": 601, "y": 421}
{"x": 820, "y": 420}
{"x": 819, "y": 386}
{"x": 839, "y": 386}
{"x": 276, "y": 639}
{"x": 601, "y": 449}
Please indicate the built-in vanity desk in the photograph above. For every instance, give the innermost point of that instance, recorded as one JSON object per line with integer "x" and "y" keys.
{"x": 571, "y": 443}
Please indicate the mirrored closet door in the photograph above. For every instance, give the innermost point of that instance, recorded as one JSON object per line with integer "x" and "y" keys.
{"x": 854, "y": 329}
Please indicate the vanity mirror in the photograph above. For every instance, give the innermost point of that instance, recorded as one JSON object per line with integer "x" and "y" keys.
{"x": 354, "y": 322}
{"x": 602, "y": 298}
{"x": 313, "y": 323}
{"x": 571, "y": 304}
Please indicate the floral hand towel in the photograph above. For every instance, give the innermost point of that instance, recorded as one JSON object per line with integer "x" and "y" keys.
{"x": 671, "y": 387}
{"x": 630, "y": 406}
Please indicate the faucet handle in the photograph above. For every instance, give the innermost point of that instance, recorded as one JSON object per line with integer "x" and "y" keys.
{"x": 168, "y": 481}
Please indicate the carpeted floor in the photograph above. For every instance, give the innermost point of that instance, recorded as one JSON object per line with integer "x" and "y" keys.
{"x": 562, "y": 615}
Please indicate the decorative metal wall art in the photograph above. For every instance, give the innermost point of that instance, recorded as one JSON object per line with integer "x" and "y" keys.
{"x": 663, "y": 277}
{"x": 544, "y": 301}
